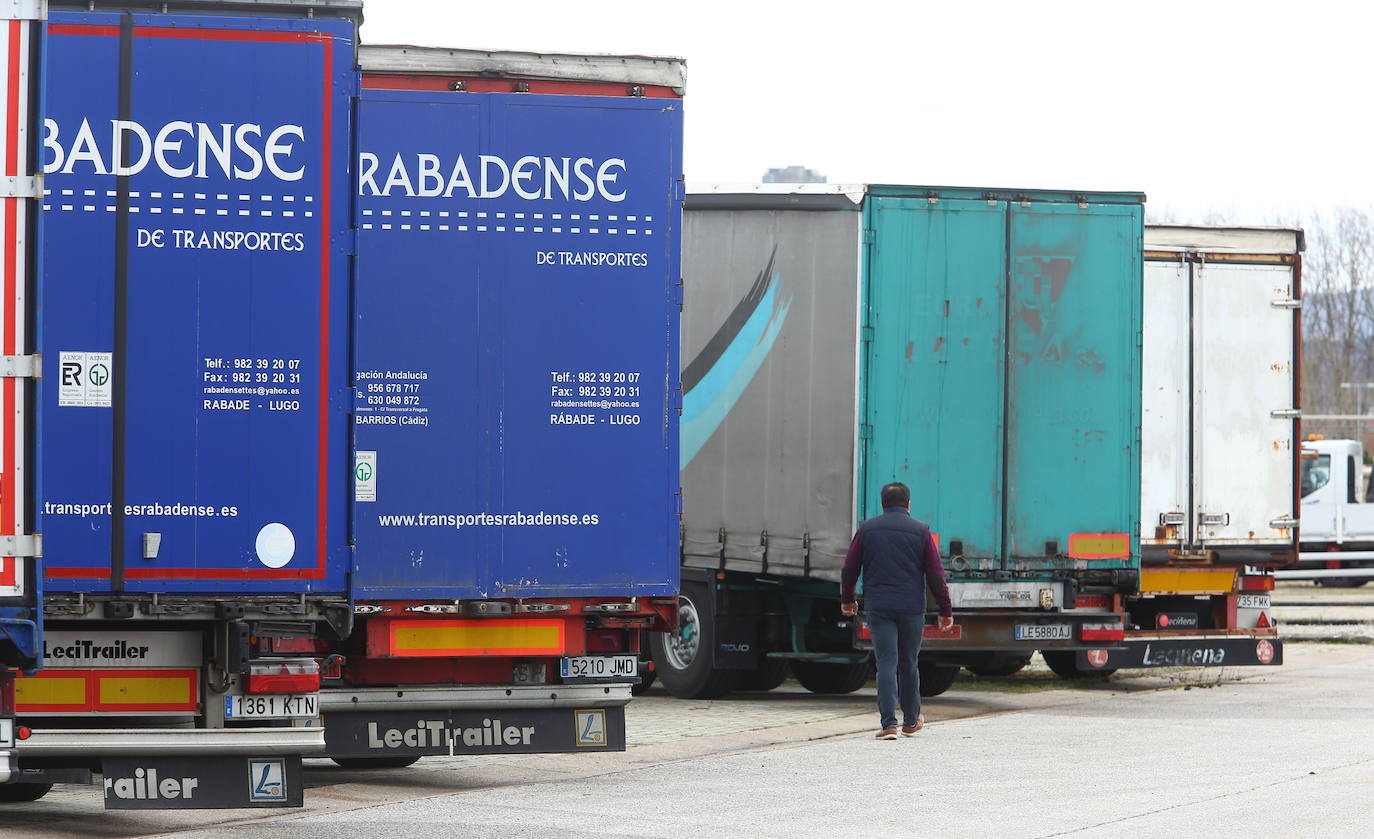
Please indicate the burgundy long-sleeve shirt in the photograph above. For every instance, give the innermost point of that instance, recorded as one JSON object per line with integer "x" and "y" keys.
{"x": 934, "y": 572}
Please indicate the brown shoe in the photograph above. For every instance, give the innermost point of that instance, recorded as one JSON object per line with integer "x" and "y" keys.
{"x": 910, "y": 730}
{"x": 886, "y": 734}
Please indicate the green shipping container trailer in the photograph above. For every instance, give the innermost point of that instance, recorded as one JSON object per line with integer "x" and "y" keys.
{"x": 981, "y": 346}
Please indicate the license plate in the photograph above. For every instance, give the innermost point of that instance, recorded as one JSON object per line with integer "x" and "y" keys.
{"x": 272, "y": 706}
{"x": 6, "y": 733}
{"x": 1252, "y": 601}
{"x": 1044, "y": 632}
{"x": 599, "y": 667}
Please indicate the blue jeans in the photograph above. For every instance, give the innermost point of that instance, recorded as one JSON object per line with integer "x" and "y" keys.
{"x": 896, "y": 646}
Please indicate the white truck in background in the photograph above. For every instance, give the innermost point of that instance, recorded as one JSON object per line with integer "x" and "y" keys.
{"x": 1337, "y": 537}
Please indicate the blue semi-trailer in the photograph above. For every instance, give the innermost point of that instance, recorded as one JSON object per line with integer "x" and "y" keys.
{"x": 353, "y": 399}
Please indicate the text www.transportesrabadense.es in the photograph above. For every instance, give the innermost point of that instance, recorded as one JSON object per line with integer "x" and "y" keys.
{"x": 461, "y": 520}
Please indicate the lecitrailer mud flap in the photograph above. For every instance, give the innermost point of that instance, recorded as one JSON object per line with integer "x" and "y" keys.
{"x": 1199, "y": 651}
{"x": 593, "y": 728}
{"x": 202, "y": 783}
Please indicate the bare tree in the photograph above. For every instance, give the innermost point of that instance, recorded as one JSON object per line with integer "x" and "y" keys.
{"x": 1338, "y": 317}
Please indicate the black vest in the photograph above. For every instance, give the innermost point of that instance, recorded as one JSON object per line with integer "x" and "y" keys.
{"x": 894, "y": 550}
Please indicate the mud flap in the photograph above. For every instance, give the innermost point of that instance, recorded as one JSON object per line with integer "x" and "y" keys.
{"x": 481, "y": 732}
{"x": 1185, "y": 652}
{"x": 196, "y": 783}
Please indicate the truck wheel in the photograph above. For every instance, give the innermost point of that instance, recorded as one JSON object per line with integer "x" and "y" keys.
{"x": 1064, "y": 663}
{"x": 682, "y": 657}
{"x": 999, "y": 664}
{"x": 936, "y": 678}
{"x": 824, "y": 677}
{"x": 771, "y": 673}
{"x": 23, "y": 792}
{"x": 375, "y": 762}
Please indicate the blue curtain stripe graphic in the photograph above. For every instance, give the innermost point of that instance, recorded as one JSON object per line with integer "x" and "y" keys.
{"x": 719, "y": 374}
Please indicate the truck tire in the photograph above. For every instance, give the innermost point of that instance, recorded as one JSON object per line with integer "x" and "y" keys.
{"x": 936, "y": 678}
{"x": 682, "y": 658}
{"x": 23, "y": 792}
{"x": 999, "y": 664}
{"x": 1064, "y": 663}
{"x": 399, "y": 762}
{"x": 771, "y": 673}
{"x": 824, "y": 677}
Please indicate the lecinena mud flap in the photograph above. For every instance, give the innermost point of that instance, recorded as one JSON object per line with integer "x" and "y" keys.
{"x": 1185, "y": 652}
{"x": 202, "y": 783}
{"x": 355, "y": 734}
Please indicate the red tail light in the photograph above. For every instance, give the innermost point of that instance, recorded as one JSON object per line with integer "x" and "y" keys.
{"x": 1258, "y": 582}
{"x": 865, "y": 633}
{"x": 23, "y": 732}
{"x": 1093, "y": 601}
{"x": 289, "y": 676}
{"x": 1103, "y": 632}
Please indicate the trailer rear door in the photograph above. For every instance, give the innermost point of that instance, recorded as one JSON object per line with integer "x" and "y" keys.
{"x": 517, "y": 328}
{"x": 193, "y": 295}
{"x": 1245, "y": 396}
{"x": 1073, "y": 390}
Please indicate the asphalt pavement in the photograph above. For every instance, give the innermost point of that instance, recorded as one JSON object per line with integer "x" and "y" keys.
{"x": 1286, "y": 751}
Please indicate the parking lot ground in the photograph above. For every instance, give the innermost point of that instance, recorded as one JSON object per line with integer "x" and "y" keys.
{"x": 1308, "y": 612}
{"x": 1278, "y": 751}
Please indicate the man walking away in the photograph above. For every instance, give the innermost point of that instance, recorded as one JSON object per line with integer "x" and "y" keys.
{"x": 899, "y": 560}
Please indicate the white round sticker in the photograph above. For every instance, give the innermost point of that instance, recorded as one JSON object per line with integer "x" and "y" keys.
{"x": 276, "y": 545}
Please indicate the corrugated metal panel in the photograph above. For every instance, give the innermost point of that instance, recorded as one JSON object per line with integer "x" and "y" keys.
{"x": 768, "y": 419}
{"x": 934, "y": 377}
{"x": 1073, "y": 394}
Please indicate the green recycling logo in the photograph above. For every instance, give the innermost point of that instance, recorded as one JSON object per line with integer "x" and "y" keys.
{"x": 99, "y": 374}
{"x": 363, "y": 472}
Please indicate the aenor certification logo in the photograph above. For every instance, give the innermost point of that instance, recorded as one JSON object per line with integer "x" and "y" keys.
{"x": 591, "y": 727}
{"x": 267, "y": 781}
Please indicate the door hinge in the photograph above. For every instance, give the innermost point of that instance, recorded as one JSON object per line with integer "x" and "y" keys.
{"x": 865, "y": 432}
{"x": 1286, "y": 303}
{"x": 1286, "y": 413}
{"x": 21, "y": 366}
{"x": 26, "y": 545}
{"x": 1214, "y": 519}
{"x": 21, "y": 186}
{"x": 1283, "y": 523}
{"x": 23, "y": 9}
{"x": 870, "y": 235}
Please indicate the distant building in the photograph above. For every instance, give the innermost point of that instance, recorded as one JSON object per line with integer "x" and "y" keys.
{"x": 793, "y": 175}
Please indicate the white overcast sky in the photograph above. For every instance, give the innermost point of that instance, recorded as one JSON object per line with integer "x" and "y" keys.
{"x": 1255, "y": 110}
